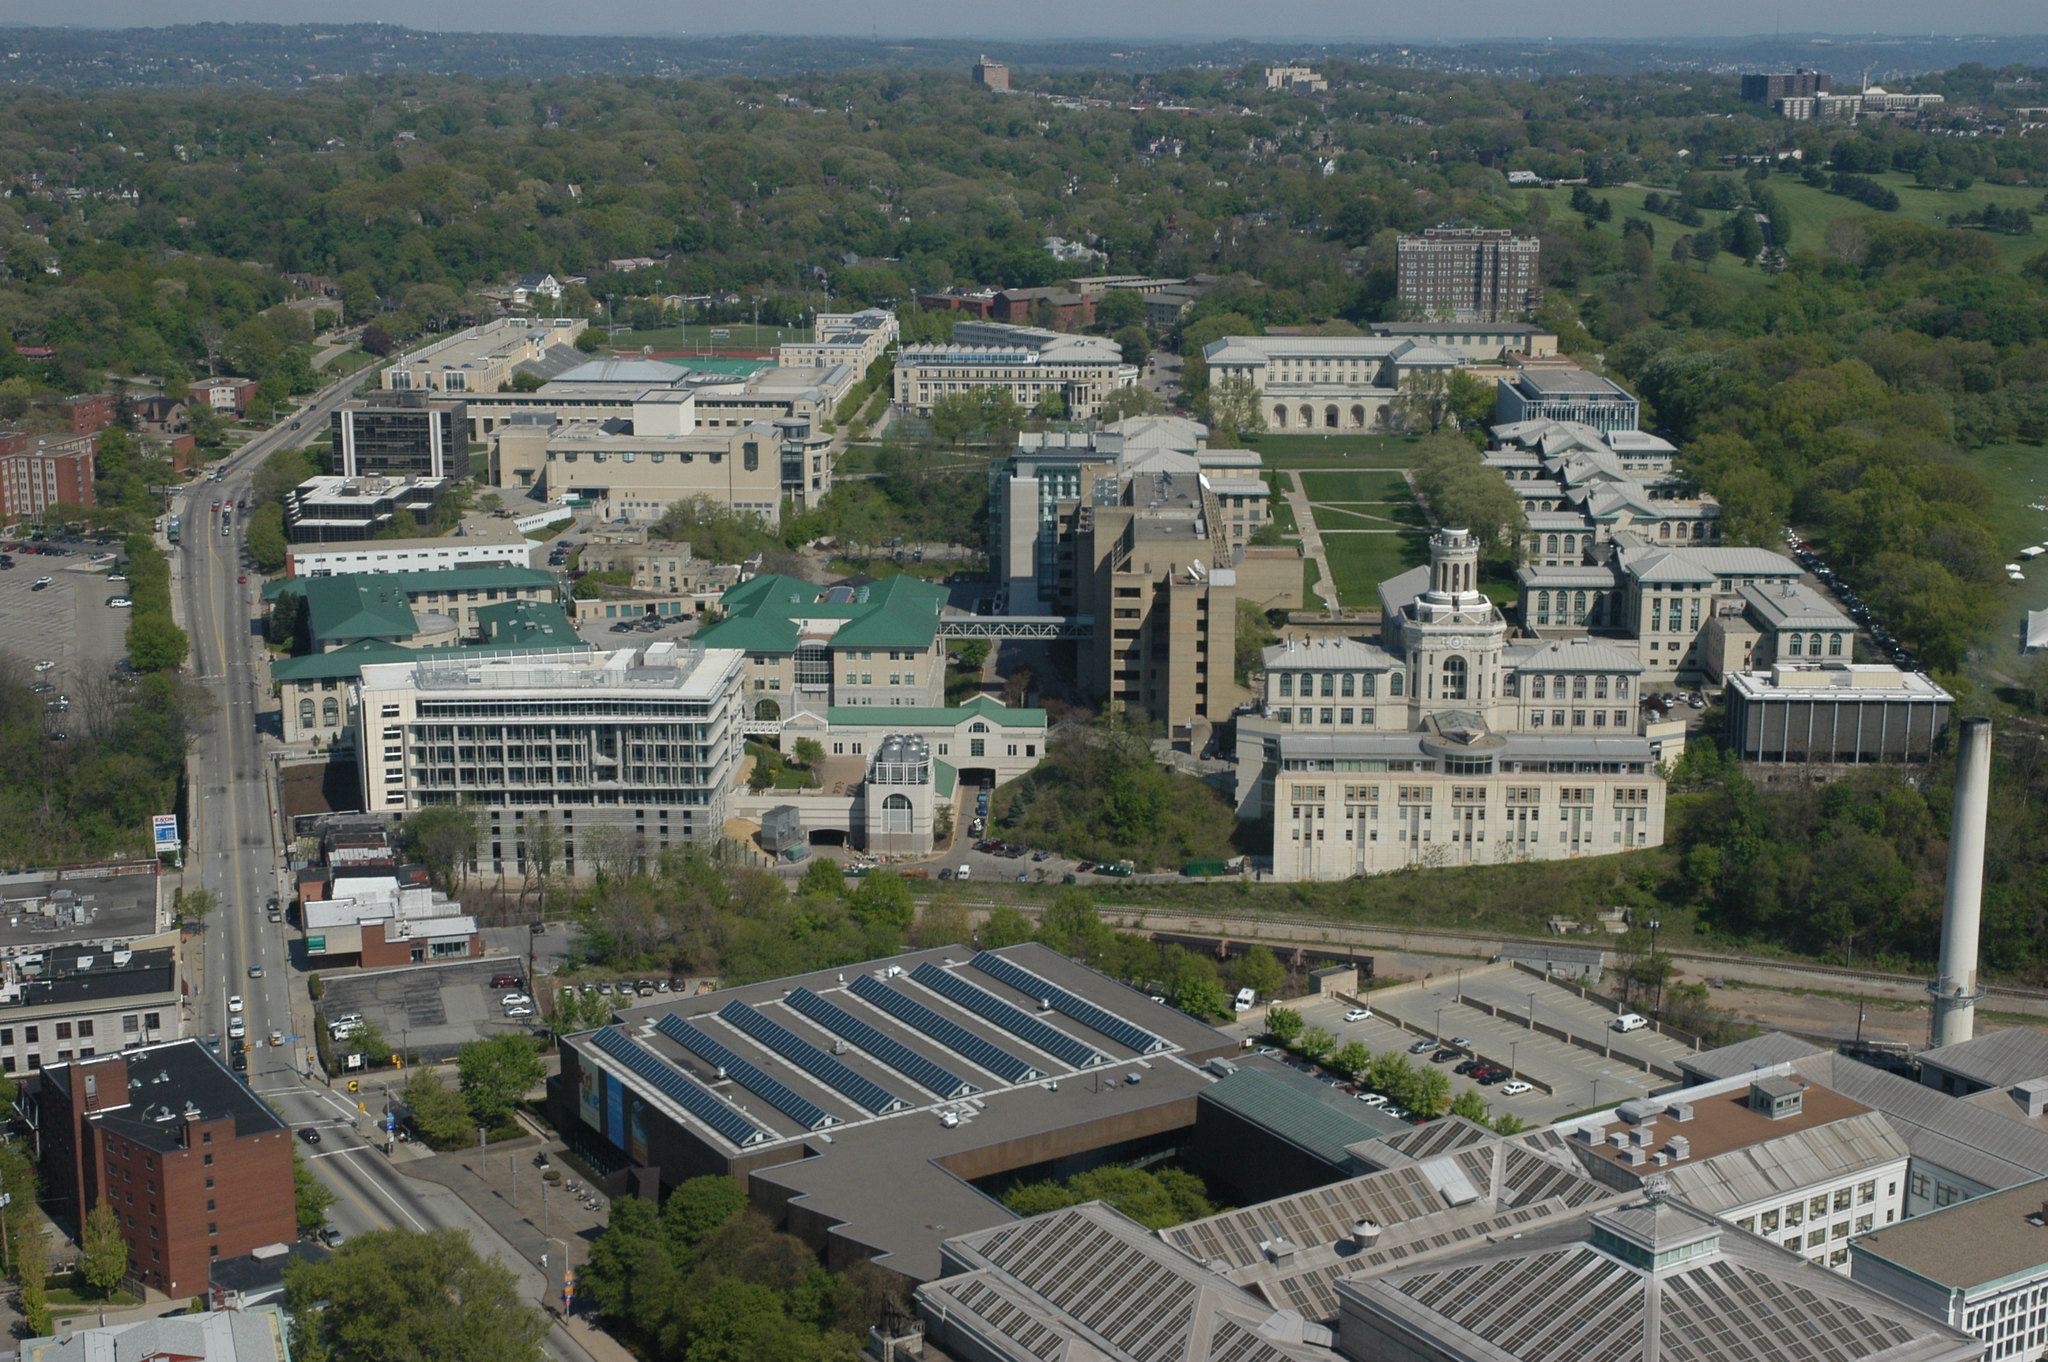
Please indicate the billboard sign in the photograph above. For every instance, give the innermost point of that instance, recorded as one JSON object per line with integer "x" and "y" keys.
{"x": 164, "y": 826}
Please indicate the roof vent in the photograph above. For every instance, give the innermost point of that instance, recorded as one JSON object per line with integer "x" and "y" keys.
{"x": 1364, "y": 1234}
{"x": 1678, "y": 1147}
{"x": 1278, "y": 1250}
{"x": 1679, "y": 1111}
{"x": 1635, "y": 1156}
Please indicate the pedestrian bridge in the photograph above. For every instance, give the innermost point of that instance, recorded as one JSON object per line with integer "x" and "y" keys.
{"x": 1016, "y": 626}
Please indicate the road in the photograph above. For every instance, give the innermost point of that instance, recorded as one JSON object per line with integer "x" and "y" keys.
{"x": 235, "y": 848}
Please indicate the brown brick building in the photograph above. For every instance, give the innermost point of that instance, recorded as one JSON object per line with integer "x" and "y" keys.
{"x": 195, "y": 1166}
{"x": 41, "y": 471}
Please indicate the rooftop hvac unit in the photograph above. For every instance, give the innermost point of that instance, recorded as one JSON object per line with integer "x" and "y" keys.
{"x": 1364, "y": 1234}
{"x": 1636, "y": 1155}
{"x": 1679, "y": 1111}
{"x": 1678, "y": 1147}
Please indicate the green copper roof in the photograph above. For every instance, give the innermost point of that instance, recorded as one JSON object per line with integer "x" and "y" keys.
{"x": 1305, "y": 1113}
{"x": 531, "y": 624}
{"x": 346, "y": 664}
{"x": 764, "y": 614}
{"x": 344, "y": 609}
{"x": 424, "y": 580}
{"x": 928, "y": 716}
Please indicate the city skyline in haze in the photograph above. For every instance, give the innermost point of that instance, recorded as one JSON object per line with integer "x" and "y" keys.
{"x": 1334, "y": 21}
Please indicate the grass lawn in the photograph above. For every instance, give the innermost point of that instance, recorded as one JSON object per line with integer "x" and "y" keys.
{"x": 1310, "y": 575}
{"x": 1356, "y": 486}
{"x": 1360, "y": 562}
{"x": 1334, "y": 451}
{"x": 1369, "y": 515}
{"x": 2018, "y": 474}
{"x": 1808, "y": 211}
{"x": 1283, "y": 516}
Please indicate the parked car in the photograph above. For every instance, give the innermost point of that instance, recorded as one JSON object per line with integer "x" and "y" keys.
{"x": 514, "y": 1000}
{"x": 1443, "y": 1056}
{"x": 507, "y": 981}
{"x": 120, "y": 602}
{"x": 1515, "y": 1089}
{"x": 1358, "y": 1014}
{"x": 1422, "y": 1047}
{"x": 521, "y": 1011}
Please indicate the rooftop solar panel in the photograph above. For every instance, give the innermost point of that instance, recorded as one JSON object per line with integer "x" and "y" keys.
{"x": 770, "y": 1090}
{"x": 811, "y": 1059}
{"x": 880, "y": 1045}
{"x": 945, "y": 1031}
{"x": 680, "y": 1088}
{"x": 1096, "y": 1019}
{"x": 1015, "y": 1020}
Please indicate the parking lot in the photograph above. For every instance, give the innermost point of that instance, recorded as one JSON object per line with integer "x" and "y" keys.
{"x": 429, "y": 1010}
{"x": 68, "y": 622}
{"x": 1566, "y": 1077}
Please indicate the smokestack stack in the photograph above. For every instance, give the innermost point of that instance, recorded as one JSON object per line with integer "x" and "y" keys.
{"x": 1955, "y": 988}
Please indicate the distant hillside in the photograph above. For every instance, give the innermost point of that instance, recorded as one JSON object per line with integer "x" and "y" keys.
{"x": 300, "y": 54}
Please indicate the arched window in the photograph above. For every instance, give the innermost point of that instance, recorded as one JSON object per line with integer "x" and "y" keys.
{"x": 896, "y": 813}
{"x": 1834, "y": 645}
{"x": 1578, "y": 607}
{"x": 1279, "y": 418}
{"x": 1663, "y": 529}
{"x": 330, "y": 713}
{"x": 1553, "y": 544}
{"x": 1330, "y": 416}
{"x": 306, "y": 713}
{"x": 1792, "y": 645}
{"x": 1358, "y": 416}
{"x": 1599, "y": 688}
{"x": 1535, "y": 688}
{"x": 768, "y": 710}
{"x": 1813, "y": 645}
{"x": 1396, "y": 681}
{"x": 1308, "y": 417}
{"x": 1621, "y": 688}
{"x": 1454, "y": 678}
{"x": 1699, "y": 529}
{"x": 1571, "y": 543}
{"x": 813, "y": 665}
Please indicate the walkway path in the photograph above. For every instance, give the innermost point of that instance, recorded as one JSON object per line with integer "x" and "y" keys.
{"x": 1312, "y": 543}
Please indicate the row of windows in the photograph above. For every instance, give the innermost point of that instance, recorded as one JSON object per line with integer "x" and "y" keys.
{"x": 1329, "y": 715}
{"x": 1579, "y": 718}
{"x": 1337, "y": 684}
{"x": 1555, "y": 686}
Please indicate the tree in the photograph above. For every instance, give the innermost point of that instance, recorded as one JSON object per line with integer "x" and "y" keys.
{"x": 1315, "y": 1042}
{"x": 32, "y": 1270}
{"x": 1705, "y": 246}
{"x": 823, "y": 877}
{"x": 942, "y": 923}
{"x": 1428, "y": 1091}
{"x": 1261, "y": 971}
{"x": 436, "y": 1110}
{"x": 971, "y": 655}
{"x": 1131, "y": 400}
{"x": 155, "y": 644}
{"x": 1201, "y": 998}
{"x": 699, "y": 1208}
{"x": 1004, "y": 926}
{"x": 1118, "y": 309}
{"x": 496, "y": 1074}
{"x": 1470, "y": 1105}
{"x": 1233, "y": 406}
{"x": 102, "y": 1252}
{"x": 442, "y": 838}
{"x": 194, "y": 906}
{"x": 1051, "y": 406}
{"x": 883, "y": 897}
{"x": 310, "y": 1196}
{"x": 1424, "y": 401}
{"x": 1283, "y": 1024}
{"x": 1071, "y": 926}
{"x": 396, "y": 1296}
{"x": 1353, "y": 1058}
{"x": 810, "y": 752}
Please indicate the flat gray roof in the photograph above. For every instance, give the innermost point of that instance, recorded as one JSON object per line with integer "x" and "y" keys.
{"x": 1972, "y": 1243}
{"x": 40, "y": 909}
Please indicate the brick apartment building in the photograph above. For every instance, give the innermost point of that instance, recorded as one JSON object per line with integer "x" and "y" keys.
{"x": 40, "y": 471}
{"x": 85, "y": 413}
{"x": 193, "y": 1163}
{"x": 1468, "y": 274}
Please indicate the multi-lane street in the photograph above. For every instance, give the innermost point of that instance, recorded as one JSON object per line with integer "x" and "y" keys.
{"x": 235, "y": 844}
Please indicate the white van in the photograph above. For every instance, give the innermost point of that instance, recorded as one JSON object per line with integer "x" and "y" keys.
{"x": 1245, "y": 999}
{"x": 963, "y": 872}
{"x": 1631, "y": 1021}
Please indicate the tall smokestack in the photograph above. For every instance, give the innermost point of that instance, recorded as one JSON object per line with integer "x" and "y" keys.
{"x": 1955, "y": 988}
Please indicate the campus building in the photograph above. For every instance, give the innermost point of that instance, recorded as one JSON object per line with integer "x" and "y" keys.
{"x": 1564, "y": 392}
{"x": 1477, "y": 342}
{"x": 1981, "y": 1267}
{"x": 810, "y": 648}
{"x": 335, "y": 510}
{"x": 194, "y": 1165}
{"x": 494, "y": 546}
{"x": 1034, "y": 493}
{"x": 1027, "y": 362}
{"x": 484, "y": 358}
{"x": 377, "y": 922}
{"x": 38, "y": 472}
{"x": 852, "y": 339}
{"x": 643, "y": 741}
{"x": 865, "y": 1109}
{"x": 59, "y": 1005}
{"x": 1835, "y": 712}
{"x": 1475, "y": 274}
{"x": 1326, "y": 383}
{"x": 406, "y": 434}
{"x": 1444, "y": 742}
{"x": 420, "y": 608}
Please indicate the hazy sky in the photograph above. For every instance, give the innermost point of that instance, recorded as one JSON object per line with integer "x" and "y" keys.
{"x": 1292, "y": 20}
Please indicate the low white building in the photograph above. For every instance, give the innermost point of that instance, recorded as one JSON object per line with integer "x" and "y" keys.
{"x": 495, "y": 547}
{"x": 1981, "y": 1267}
{"x": 1775, "y": 1154}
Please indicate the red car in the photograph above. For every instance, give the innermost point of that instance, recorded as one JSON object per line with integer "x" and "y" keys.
{"x": 244, "y": 580}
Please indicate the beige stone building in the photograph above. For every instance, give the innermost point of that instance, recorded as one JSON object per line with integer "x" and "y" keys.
{"x": 1325, "y": 384}
{"x": 1027, "y": 362}
{"x": 853, "y": 339}
{"x": 484, "y": 358}
{"x": 1446, "y": 741}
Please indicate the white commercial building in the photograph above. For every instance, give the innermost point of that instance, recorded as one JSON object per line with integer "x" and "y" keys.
{"x": 483, "y": 358}
{"x": 1981, "y": 1267}
{"x": 1029, "y": 363}
{"x": 642, "y": 741}
{"x": 495, "y": 547}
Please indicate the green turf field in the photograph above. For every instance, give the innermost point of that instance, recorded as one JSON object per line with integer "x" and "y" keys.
{"x": 1360, "y": 562}
{"x": 1361, "y": 485}
{"x": 1334, "y": 451}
